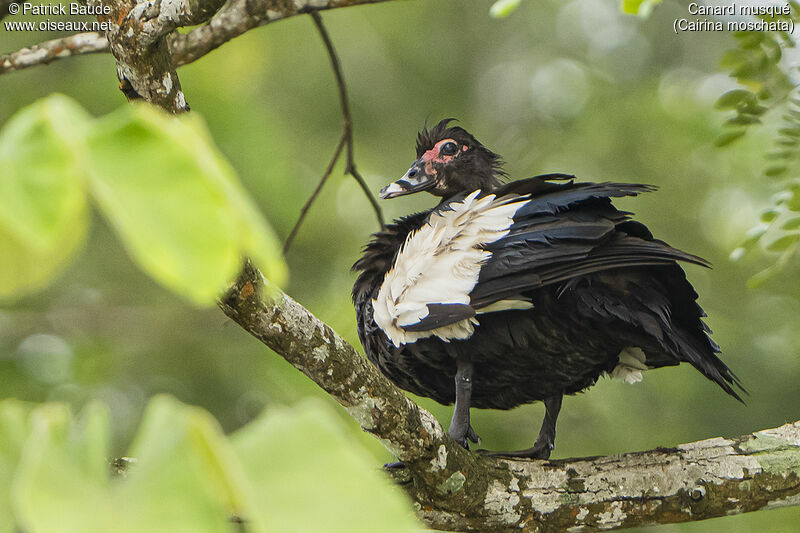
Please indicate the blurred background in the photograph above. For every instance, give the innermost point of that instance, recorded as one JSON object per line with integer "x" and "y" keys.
{"x": 572, "y": 87}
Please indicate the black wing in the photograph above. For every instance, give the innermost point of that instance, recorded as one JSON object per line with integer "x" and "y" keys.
{"x": 565, "y": 232}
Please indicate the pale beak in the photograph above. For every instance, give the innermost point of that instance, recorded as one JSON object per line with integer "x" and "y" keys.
{"x": 414, "y": 180}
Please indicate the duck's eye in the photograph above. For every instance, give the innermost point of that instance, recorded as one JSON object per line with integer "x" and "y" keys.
{"x": 448, "y": 148}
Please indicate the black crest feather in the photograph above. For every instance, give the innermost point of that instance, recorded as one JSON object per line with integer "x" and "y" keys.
{"x": 428, "y": 137}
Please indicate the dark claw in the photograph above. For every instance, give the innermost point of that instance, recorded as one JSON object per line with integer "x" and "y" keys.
{"x": 545, "y": 442}
{"x": 471, "y": 435}
{"x": 462, "y": 441}
{"x": 396, "y": 464}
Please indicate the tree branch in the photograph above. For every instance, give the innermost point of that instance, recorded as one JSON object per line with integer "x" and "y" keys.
{"x": 43, "y": 53}
{"x": 350, "y": 166}
{"x": 144, "y": 64}
{"x": 336, "y": 153}
{"x": 157, "y": 18}
{"x": 456, "y": 490}
{"x": 346, "y": 139}
{"x": 152, "y": 21}
{"x": 240, "y": 16}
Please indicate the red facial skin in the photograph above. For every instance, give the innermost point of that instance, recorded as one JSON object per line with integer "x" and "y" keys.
{"x": 434, "y": 156}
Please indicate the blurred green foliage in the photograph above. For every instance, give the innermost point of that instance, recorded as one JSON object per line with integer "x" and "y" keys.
{"x": 43, "y": 215}
{"x": 503, "y": 8}
{"x": 768, "y": 89}
{"x": 559, "y": 86}
{"x": 174, "y": 201}
{"x": 639, "y": 7}
{"x": 187, "y": 476}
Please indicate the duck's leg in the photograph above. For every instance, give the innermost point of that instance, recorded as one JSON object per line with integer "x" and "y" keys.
{"x": 460, "y": 428}
{"x": 547, "y": 435}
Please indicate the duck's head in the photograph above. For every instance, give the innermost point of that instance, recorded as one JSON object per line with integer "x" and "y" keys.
{"x": 449, "y": 161}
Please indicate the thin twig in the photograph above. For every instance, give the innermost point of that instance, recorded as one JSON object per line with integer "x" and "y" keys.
{"x": 314, "y": 194}
{"x": 351, "y": 169}
{"x": 346, "y": 140}
{"x": 348, "y": 121}
{"x": 337, "y": 70}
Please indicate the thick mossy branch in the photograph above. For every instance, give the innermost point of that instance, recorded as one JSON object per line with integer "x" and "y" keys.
{"x": 456, "y": 490}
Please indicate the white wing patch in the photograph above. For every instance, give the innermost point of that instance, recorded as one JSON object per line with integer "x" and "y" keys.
{"x": 630, "y": 366}
{"x": 440, "y": 263}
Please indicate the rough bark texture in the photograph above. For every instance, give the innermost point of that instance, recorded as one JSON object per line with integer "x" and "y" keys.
{"x": 240, "y": 16}
{"x": 139, "y": 31}
{"x": 144, "y": 63}
{"x": 456, "y": 490}
{"x": 43, "y": 53}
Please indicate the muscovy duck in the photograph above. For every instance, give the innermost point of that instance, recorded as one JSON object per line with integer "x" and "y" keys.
{"x": 510, "y": 293}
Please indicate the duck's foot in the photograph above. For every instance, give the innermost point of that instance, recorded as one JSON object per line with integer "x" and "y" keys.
{"x": 545, "y": 442}
{"x": 468, "y": 436}
{"x": 539, "y": 451}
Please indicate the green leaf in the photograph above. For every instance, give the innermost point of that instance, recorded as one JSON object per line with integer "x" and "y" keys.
{"x": 792, "y": 143}
{"x": 742, "y": 119}
{"x": 734, "y": 99}
{"x": 791, "y": 224}
{"x": 783, "y": 242}
{"x": 759, "y": 279}
{"x": 793, "y": 197}
{"x": 752, "y": 108}
{"x": 755, "y": 233}
{"x": 307, "y": 453}
{"x": 176, "y": 205}
{"x": 186, "y": 478}
{"x": 775, "y": 171}
{"x": 62, "y": 480}
{"x": 755, "y": 68}
{"x": 749, "y": 39}
{"x": 43, "y": 213}
{"x": 772, "y": 49}
{"x": 781, "y": 197}
{"x": 727, "y": 138}
{"x": 256, "y": 237}
{"x": 793, "y": 131}
{"x": 642, "y": 8}
{"x": 292, "y": 470}
{"x": 13, "y": 434}
{"x": 737, "y": 253}
{"x": 769, "y": 215}
{"x": 782, "y": 154}
{"x": 503, "y": 8}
